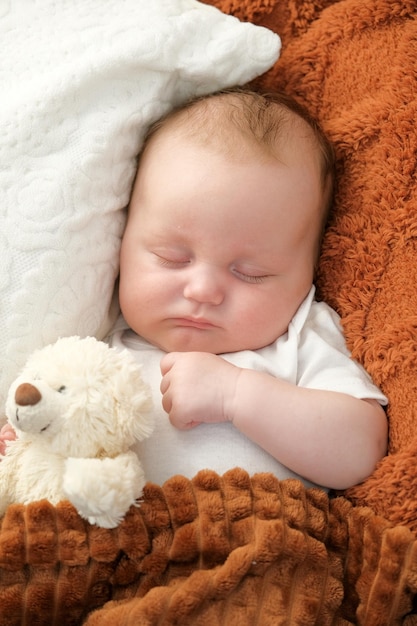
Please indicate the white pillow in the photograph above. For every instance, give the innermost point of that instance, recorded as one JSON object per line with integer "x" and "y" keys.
{"x": 81, "y": 82}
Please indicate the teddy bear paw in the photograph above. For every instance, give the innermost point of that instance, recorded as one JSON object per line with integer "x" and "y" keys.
{"x": 102, "y": 490}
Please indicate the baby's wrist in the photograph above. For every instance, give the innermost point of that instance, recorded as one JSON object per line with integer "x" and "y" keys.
{"x": 233, "y": 396}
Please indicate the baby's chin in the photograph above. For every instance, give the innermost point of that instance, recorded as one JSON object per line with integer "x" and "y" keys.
{"x": 200, "y": 343}
{"x": 188, "y": 346}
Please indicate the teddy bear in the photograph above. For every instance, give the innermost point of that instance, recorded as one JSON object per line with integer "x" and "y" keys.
{"x": 77, "y": 408}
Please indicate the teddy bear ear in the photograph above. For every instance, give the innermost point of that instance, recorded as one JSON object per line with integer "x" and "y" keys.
{"x": 137, "y": 397}
{"x": 141, "y": 404}
{"x": 143, "y": 424}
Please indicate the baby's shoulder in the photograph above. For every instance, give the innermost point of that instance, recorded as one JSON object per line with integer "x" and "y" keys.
{"x": 324, "y": 323}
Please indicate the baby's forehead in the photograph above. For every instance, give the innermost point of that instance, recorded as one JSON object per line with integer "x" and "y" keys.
{"x": 225, "y": 126}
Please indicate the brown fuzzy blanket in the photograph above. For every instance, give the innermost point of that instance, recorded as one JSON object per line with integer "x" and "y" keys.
{"x": 215, "y": 550}
{"x": 251, "y": 550}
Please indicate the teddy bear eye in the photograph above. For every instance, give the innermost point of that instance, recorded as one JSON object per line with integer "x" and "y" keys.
{"x": 61, "y": 389}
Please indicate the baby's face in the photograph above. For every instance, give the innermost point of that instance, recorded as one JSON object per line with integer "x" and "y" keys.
{"x": 218, "y": 253}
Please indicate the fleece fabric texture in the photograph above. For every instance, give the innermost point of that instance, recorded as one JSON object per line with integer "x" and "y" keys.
{"x": 353, "y": 65}
{"x": 230, "y": 550}
{"x": 234, "y": 549}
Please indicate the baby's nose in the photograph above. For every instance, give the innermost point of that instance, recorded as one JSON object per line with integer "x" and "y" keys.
{"x": 204, "y": 285}
{"x": 27, "y": 395}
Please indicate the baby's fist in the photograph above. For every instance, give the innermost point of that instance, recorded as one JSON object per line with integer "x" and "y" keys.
{"x": 197, "y": 387}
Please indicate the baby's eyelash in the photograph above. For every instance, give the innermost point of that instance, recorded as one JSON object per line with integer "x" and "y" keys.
{"x": 170, "y": 262}
{"x": 179, "y": 263}
{"x": 249, "y": 278}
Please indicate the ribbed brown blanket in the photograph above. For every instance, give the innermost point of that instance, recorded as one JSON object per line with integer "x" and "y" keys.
{"x": 220, "y": 551}
{"x": 230, "y": 550}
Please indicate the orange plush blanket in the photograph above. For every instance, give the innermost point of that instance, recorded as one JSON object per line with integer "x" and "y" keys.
{"x": 250, "y": 550}
{"x": 208, "y": 552}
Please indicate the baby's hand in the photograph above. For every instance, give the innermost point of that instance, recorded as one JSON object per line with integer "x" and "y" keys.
{"x": 7, "y": 433}
{"x": 197, "y": 387}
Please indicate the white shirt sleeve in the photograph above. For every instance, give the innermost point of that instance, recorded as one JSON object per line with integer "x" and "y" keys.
{"x": 324, "y": 361}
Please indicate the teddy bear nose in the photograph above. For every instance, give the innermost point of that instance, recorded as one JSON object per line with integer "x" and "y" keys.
{"x": 27, "y": 395}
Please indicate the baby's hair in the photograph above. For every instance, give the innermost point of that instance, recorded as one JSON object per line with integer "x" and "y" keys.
{"x": 249, "y": 118}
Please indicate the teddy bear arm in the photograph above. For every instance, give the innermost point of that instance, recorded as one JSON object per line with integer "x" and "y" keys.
{"x": 6, "y": 497}
{"x": 9, "y": 468}
{"x": 102, "y": 490}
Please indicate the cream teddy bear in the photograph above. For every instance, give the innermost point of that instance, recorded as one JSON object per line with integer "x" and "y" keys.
{"x": 77, "y": 407}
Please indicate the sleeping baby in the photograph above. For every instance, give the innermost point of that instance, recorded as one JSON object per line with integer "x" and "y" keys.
{"x": 216, "y": 290}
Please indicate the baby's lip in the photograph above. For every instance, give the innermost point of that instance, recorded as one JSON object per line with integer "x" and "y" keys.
{"x": 194, "y": 322}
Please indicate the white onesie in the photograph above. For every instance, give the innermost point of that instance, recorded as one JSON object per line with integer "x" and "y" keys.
{"x": 312, "y": 353}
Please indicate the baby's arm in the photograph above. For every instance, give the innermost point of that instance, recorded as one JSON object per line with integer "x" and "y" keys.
{"x": 330, "y": 438}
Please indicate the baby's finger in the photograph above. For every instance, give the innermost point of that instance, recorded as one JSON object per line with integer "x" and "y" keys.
{"x": 164, "y": 384}
{"x": 167, "y": 362}
{"x": 166, "y": 402}
{"x": 7, "y": 433}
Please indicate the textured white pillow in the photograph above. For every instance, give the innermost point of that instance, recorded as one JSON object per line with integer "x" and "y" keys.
{"x": 81, "y": 82}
